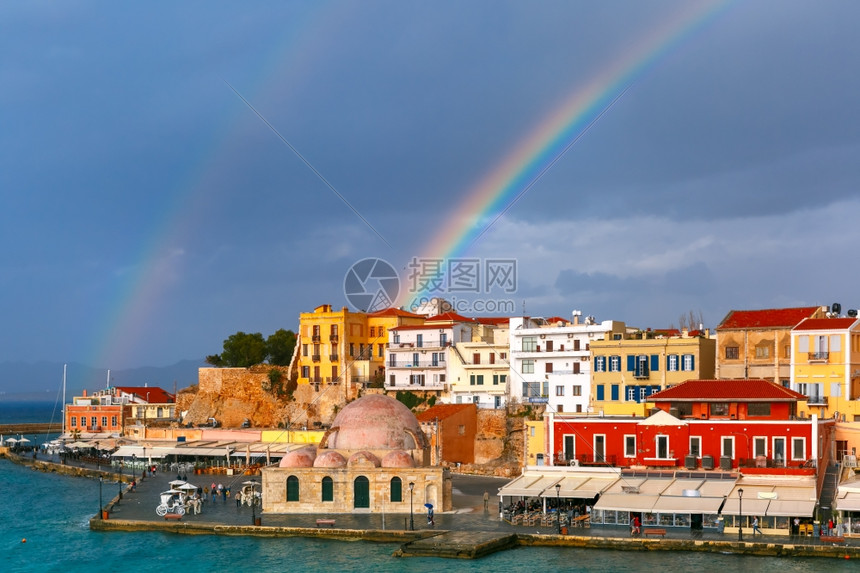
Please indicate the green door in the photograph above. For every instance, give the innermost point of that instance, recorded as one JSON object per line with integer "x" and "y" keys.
{"x": 361, "y": 493}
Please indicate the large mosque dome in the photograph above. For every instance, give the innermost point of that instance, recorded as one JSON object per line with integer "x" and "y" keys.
{"x": 375, "y": 422}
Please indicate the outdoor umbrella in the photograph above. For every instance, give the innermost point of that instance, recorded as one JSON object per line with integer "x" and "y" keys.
{"x": 176, "y": 483}
{"x": 187, "y": 486}
{"x": 23, "y": 441}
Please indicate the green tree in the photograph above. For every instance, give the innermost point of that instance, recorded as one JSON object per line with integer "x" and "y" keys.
{"x": 242, "y": 350}
{"x": 279, "y": 347}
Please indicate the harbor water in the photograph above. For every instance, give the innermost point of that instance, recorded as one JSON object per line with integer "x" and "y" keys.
{"x": 45, "y": 528}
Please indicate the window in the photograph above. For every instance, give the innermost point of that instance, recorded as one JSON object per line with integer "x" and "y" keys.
{"x": 392, "y": 359}
{"x": 372, "y": 331}
{"x": 352, "y": 349}
{"x": 629, "y": 446}
{"x": 786, "y": 351}
{"x": 599, "y": 447}
{"x": 549, "y": 345}
{"x": 732, "y": 353}
{"x": 600, "y": 392}
{"x": 577, "y": 391}
{"x": 419, "y": 340}
{"x": 728, "y": 446}
{"x": 391, "y": 380}
{"x": 414, "y": 359}
{"x": 476, "y": 379}
{"x": 615, "y": 364}
{"x": 569, "y": 449}
{"x": 798, "y": 448}
{"x": 548, "y": 366}
{"x": 688, "y": 363}
{"x": 779, "y": 448}
{"x": 94, "y": 420}
{"x": 662, "y": 447}
{"x": 576, "y": 367}
{"x": 113, "y": 421}
{"x": 684, "y": 408}
{"x": 758, "y": 409}
{"x": 503, "y": 355}
{"x": 104, "y": 421}
{"x": 762, "y": 352}
{"x": 719, "y": 409}
{"x": 600, "y": 364}
{"x": 696, "y": 446}
{"x": 443, "y": 339}
{"x": 74, "y": 421}
{"x": 327, "y": 489}
{"x": 304, "y": 349}
{"x": 529, "y": 343}
{"x": 614, "y": 392}
{"x": 396, "y": 490}
{"x": 759, "y": 446}
{"x": 559, "y": 390}
{"x": 492, "y": 358}
{"x": 380, "y": 350}
{"x": 292, "y": 488}
{"x": 531, "y": 389}
{"x": 499, "y": 379}
{"x": 672, "y": 363}
{"x": 528, "y": 366}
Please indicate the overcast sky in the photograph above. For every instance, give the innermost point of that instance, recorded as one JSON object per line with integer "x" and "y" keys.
{"x": 148, "y": 213}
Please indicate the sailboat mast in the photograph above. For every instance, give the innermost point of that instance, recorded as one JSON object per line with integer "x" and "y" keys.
{"x": 64, "y": 399}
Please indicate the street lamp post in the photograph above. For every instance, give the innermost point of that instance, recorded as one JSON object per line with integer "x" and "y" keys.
{"x": 101, "y": 513}
{"x": 143, "y": 474}
{"x": 98, "y": 457}
{"x": 741, "y": 515}
{"x": 253, "y": 505}
{"x": 119, "y": 480}
{"x": 411, "y": 515}
{"x": 558, "y": 505}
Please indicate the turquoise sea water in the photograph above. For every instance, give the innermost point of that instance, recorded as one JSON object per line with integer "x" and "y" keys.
{"x": 51, "y": 512}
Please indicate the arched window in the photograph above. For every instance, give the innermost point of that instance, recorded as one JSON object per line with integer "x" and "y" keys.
{"x": 327, "y": 489}
{"x": 396, "y": 489}
{"x": 292, "y": 488}
{"x": 361, "y": 492}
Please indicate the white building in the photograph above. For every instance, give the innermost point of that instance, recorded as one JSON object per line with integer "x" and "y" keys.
{"x": 550, "y": 359}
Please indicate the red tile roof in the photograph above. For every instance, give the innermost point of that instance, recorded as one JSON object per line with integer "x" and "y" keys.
{"x": 391, "y": 311}
{"x": 768, "y": 318}
{"x": 826, "y": 324}
{"x": 154, "y": 394}
{"x": 740, "y": 390}
{"x": 443, "y": 411}
{"x": 449, "y": 317}
{"x": 494, "y": 320}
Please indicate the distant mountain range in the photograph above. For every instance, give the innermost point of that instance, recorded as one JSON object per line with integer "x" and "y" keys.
{"x": 43, "y": 381}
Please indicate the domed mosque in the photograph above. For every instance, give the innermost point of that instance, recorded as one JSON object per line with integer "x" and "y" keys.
{"x": 370, "y": 459}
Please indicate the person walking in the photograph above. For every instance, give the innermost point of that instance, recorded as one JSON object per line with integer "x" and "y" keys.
{"x": 755, "y": 527}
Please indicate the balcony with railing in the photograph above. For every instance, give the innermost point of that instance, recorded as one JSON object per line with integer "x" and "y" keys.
{"x": 818, "y": 356}
{"x": 419, "y": 364}
{"x": 817, "y": 401}
{"x": 333, "y": 357}
{"x": 333, "y": 339}
{"x": 315, "y": 357}
{"x": 316, "y": 338}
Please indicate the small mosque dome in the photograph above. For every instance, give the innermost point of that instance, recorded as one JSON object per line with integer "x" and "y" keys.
{"x": 330, "y": 459}
{"x": 301, "y": 458}
{"x": 398, "y": 459}
{"x": 363, "y": 460}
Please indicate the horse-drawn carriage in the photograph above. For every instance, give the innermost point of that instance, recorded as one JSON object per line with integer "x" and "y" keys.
{"x": 171, "y": 502}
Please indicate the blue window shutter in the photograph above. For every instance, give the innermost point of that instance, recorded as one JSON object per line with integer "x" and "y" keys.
{"x": 692, "y": 362}
{"x": 655, "y": 363}
{"x": 600, "y": 392}
{"x": 667, "y": 363}
{"x": 614, "y": 389}
{"x": 631, "y": 363}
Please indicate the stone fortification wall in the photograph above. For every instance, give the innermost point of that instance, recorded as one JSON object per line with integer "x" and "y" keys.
{"x": 231, "y": 395}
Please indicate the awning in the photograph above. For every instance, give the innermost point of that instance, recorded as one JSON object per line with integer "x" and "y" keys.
{"x": 128, "y": 451}
{"x": 529, "y": 485}
{"x": 626, "y": 502}
{"x": 581, "y": 486}
{"x": 790, "y": 508}
{"x": 850, "y": 501}
{"x": 751, "y": 506}
{"x": 682, "y": 504}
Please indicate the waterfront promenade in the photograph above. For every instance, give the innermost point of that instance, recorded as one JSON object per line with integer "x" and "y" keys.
{"x": 468, "y": 521}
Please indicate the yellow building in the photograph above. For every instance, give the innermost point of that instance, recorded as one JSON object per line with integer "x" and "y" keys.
{"x": 342, "y": 346}
{"x": 536, "y": 443}
{"x": 626, "y": 370}
{"x": 757, "y": 343}
{"x": 826, "y": 366}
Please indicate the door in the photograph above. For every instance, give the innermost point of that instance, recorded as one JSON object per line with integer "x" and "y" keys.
{"x": 599, "y": 447}
{"x": 569, "y": 452}
{"x": 361, "y": 493}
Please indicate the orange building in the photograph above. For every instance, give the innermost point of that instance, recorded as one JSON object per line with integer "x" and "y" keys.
{"x": 452, "y": 429}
